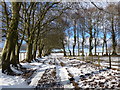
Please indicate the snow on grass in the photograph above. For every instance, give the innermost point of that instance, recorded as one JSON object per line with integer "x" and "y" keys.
{"x": 7, "y": 81}
{"x": 43, "y": 58}
{"x": 40, "y": 70}
{"x": 15, "y": 70}
{"x": 103, "y": 79}
{"x": 57, "y": 54}
{"x": 112, "y": 58}
{"x": 106, "y": 64}
{"x": 74, "y": 66}
{"x": 84, "y": 69}
{"x": 74, "y": 71}
{"x": 27, "y": 65}
{"x": 33, "y": 65}
{"x": 68, "y": 85}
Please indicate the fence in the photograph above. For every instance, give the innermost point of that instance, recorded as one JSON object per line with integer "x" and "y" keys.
{"x": 107, "y": 61}
{"x": 22, "y": 55}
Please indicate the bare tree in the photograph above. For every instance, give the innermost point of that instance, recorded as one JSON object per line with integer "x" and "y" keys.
{"x": 8, "y": 53}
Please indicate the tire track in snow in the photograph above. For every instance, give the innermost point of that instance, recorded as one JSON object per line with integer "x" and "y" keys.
{"x": 37, "y": 77}
{"x": 48, "y": 80}
{"x": 72, "y": 80}
{"x": 63, "y": 74}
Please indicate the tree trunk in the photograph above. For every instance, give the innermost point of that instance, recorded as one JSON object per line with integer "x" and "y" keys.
{"x": 95, "y": 46}
{"x": 64, "y": 48}
{"x": 69, "y": 34}
{"x": 29, "y": 52}
{"x": 40, "y": 49}
{"x": 82, "y": 48}
{"x": 103, "y": 49}
{"x": 90, "y": 42}
{"x": 18, "y": 48}
{"x": 17, "y": 52}
{"x": 114, "y": 43}
{"x": 74, "y": 38}
{"x": 83, "y": 33}
{"x": 105, "y": 42}
{"x": 8, "y": 52}
{"x": 64, "y": 51}
{"x": 78, "y": 43}
{"x": 13, "y": 60}
{"x": 69, "y": 50}
{"x": 34, "y": 50}
{"x": 106, "y": 47}
{"x": 6, "y": 58}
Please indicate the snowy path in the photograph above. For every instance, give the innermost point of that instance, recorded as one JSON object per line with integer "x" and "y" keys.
{"x": 84, "y": 75}
{"x": 56, "y": 71}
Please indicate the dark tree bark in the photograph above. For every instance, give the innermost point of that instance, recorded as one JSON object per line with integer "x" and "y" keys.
{"x": 114, "y": 43}
{"x": 105, "y": 43}
{"x": 90, "y": 42}
{"x": 69, "y": 50}
{"x": 63, "y": 48}
{"x": 8, "y": 52}
{"x": 29, "y": 52}
{"x": 103, "y": 48}
{"x": 83, "y": 41}
{"x": 74, "y": 38}
{"x": 34, "y": 51}
{"x": 17, "y": 52}
{"x": 78, "y": 42}
{"x": 95, "y": 32}
{"x": 95, "y": 46}
{"x": 40, "y": 49}
{"x": 69, "y": 43}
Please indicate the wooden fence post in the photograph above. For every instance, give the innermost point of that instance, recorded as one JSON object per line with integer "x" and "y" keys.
{"x": 109, "y": 61}
{"x": 86, "y": 56}
{"x": 98, "y": 59}
{"x": 83, "y": 57}
{"x": 20, "y": 56}
{"x": 92, "y": 59}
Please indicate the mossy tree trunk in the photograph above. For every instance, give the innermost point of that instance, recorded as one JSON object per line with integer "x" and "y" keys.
{"x": 40, "y": 49}
{"x": 17, "y": 52}
{"x": 29, "y": 52}
{"x": 8, "y": 53}
{"x": 34, "y": 50}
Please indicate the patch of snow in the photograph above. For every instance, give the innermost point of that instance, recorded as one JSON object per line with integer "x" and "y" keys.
{"x": 7, "y": 81}
{"x": 37, "y": 77}
{"x": 15, "y": 70}
{"x": 65, "y": 78}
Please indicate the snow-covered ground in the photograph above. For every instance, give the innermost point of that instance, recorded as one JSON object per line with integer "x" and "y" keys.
{"x": 7, "y": 81}
{"x": 58, "y": 71}
{"x": 104, "y": 61}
